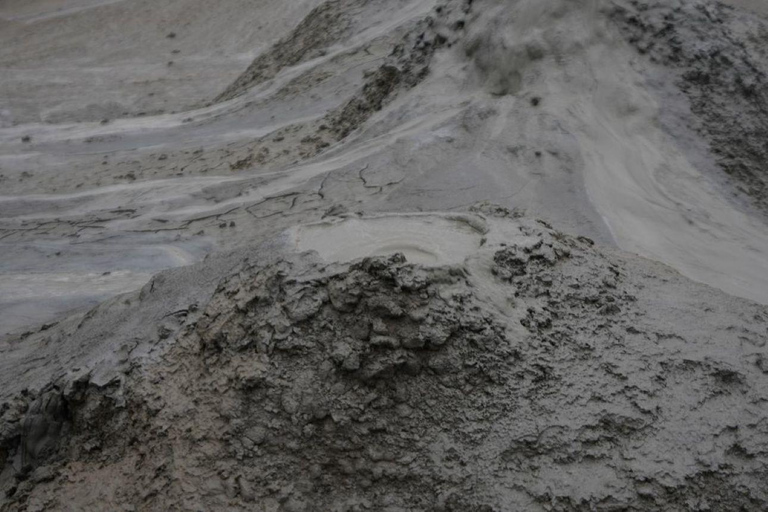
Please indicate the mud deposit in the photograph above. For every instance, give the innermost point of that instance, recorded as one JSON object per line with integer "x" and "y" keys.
{"x": 540, "y": 373}
{"x": 383, "y": 255}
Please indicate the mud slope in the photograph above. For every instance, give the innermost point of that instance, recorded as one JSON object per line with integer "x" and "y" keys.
{"x": 589, "y": 114}
{"x": 88, "y": 60}
{"x": 717, "y": 57}
{"x": 225, "y": 283}
{"x": 536, "y": 372}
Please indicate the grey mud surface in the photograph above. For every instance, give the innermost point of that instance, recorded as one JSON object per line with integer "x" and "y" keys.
{"x": 396, "y": 106}
{"x": 401, "y": 255}
{"x": 540, "y": 373}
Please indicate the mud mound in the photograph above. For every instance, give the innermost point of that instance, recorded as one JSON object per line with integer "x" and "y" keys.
{"x": 540, "y": 374}
{"x": 476, "y": 361}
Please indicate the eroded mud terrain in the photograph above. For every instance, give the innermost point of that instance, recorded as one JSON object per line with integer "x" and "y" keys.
{"x": 718, "y": 55}
{"x": 467, "y": 255}
{"x": 588, "y": 114}
{"x": 541, "y": 374}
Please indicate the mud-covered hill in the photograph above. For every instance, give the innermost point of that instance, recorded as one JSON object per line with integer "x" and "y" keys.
{"x": 329, "y": 338}
{"x": 543, "y": 373}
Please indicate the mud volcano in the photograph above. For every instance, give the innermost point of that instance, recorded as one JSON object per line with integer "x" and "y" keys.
{"x": 537, "y": 373}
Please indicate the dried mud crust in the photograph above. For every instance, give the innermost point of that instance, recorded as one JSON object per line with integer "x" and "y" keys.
{"x": 383, "y": 385}
{"x": 720, "y": 58}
